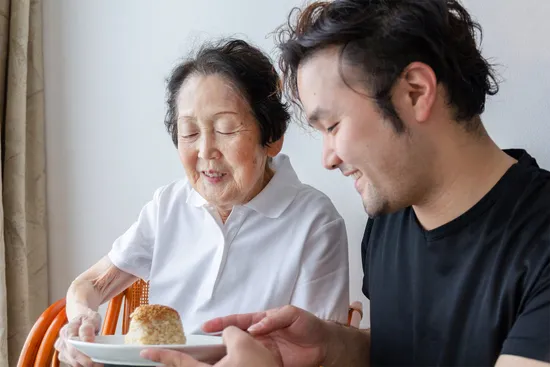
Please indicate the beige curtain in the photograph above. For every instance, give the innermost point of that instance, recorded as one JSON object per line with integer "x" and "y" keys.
{"x": 23, "y": 247}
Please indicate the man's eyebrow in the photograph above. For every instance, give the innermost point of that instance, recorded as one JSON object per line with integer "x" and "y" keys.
{"x": 317, "y": 114}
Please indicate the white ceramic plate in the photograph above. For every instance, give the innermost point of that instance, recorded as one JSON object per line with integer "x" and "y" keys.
{"x": 112, "y": 350}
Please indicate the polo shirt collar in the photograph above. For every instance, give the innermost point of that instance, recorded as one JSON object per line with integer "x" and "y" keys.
{"x": 195, "y": 199}
{"x": 275, "y": 198}
{"x": 279, "y": 193}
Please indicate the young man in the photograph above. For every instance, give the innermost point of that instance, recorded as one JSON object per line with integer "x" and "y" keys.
{"x": 457, "y": 251}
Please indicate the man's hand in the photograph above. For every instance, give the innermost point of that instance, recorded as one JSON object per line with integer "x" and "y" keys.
{"x": 516, "y": 361}
{"x": 242, "y": 351}
{"x": 295, "y": 336}
{"x": 300, "y": 339}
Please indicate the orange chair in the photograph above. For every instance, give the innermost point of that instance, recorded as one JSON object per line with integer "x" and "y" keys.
{"x": 38, "y": 350}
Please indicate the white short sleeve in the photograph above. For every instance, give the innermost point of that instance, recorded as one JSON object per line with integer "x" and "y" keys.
{"x": 133, "y": 251}
{"x": 323, "y": 283}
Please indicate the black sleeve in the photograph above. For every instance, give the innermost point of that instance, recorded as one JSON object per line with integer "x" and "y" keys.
{"x": 530, "y": 334}
{"x": 365, "y": 256}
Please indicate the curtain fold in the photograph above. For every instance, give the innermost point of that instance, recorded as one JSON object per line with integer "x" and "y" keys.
{"x": 23, "y": 237}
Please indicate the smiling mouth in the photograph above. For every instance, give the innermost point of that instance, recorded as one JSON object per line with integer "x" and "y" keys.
{"x": 355, "y": 175}
{"x": 213, "y": 174}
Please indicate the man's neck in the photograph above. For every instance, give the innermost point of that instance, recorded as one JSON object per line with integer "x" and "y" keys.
{"x": 464, "y": 175}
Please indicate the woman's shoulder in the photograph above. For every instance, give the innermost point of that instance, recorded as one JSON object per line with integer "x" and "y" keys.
{"x": 310, "y": 194}
{"x": 177, "y": 190}
{"x": 312, "y": 201}
{"x": 304, "y": 198}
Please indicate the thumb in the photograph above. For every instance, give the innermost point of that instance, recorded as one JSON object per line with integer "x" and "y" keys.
{"x": 171, "y": 358}
{"x": 87, "y": 330}
{"x": 275, "y": 320}
{"x": 233, "y": 337}
{"x": 242, "y": 346}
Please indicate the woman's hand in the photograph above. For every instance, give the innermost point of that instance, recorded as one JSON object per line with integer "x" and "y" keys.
{"x": 85, "y": 326}
{"x": 95, "y": 286}
{"x": 242, "y": 351}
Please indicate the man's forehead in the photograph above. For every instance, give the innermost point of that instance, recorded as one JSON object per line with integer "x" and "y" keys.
{"x": 326, "y": 59}
{"x": 318, "y": 81}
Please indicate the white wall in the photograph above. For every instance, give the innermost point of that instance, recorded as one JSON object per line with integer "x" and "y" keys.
{"x": 105, "y": 65}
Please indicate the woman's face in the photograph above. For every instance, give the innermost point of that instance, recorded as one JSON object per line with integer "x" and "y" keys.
{"x": 219, "y": 142}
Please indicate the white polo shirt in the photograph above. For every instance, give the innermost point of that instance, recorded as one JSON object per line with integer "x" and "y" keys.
{"x": 288, "y": 245}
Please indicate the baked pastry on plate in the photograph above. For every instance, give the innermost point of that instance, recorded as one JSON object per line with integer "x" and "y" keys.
{"x": 155, "y": 325}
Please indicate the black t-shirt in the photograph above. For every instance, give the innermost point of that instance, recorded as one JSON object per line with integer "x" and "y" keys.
{"x": 470, "y": 290}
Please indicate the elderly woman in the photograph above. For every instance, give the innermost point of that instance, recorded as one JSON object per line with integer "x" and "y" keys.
{"x": 240, "y": 233}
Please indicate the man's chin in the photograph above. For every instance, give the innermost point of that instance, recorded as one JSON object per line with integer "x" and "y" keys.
{"x": 370, "y": 211}
{"x": 375, "y": 210}
{"x": 372, "y": 215}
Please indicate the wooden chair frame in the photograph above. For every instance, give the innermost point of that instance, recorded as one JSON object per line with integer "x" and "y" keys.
{"x": 38, "y": 350}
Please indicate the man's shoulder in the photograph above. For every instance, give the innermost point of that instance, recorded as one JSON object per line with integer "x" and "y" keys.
{"x": 528, "y": 227}
{"x": 529, "y": 182}
{"x": 528, "y": 201}
{"x": 536, "y": 191}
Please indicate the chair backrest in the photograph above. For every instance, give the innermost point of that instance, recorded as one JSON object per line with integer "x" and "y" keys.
{"x": 37, "y": 335}
{"x": 38, "y": 350}
{"x": 135, "y": 296}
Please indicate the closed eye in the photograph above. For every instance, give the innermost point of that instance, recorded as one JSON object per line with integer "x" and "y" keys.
{"x": 331, "y": 129}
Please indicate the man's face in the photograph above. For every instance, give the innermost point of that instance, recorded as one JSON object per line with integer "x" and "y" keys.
{"x": 356, "y": 137}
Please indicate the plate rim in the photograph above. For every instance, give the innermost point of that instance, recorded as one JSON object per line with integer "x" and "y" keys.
{"x": 116, "y": 363}
{"x": 75, "y": 341}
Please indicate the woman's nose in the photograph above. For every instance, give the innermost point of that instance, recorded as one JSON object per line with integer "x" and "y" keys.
{"x": 208, "y": 148}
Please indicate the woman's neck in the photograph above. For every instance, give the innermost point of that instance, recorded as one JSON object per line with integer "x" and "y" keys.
{"x": 225, "y": 212}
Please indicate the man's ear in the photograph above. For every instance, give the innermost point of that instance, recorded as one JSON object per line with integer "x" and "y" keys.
{"x": 419, "y": 90}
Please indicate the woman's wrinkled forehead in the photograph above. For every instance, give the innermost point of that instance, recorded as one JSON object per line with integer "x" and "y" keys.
{"x": 209, "y": 95}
